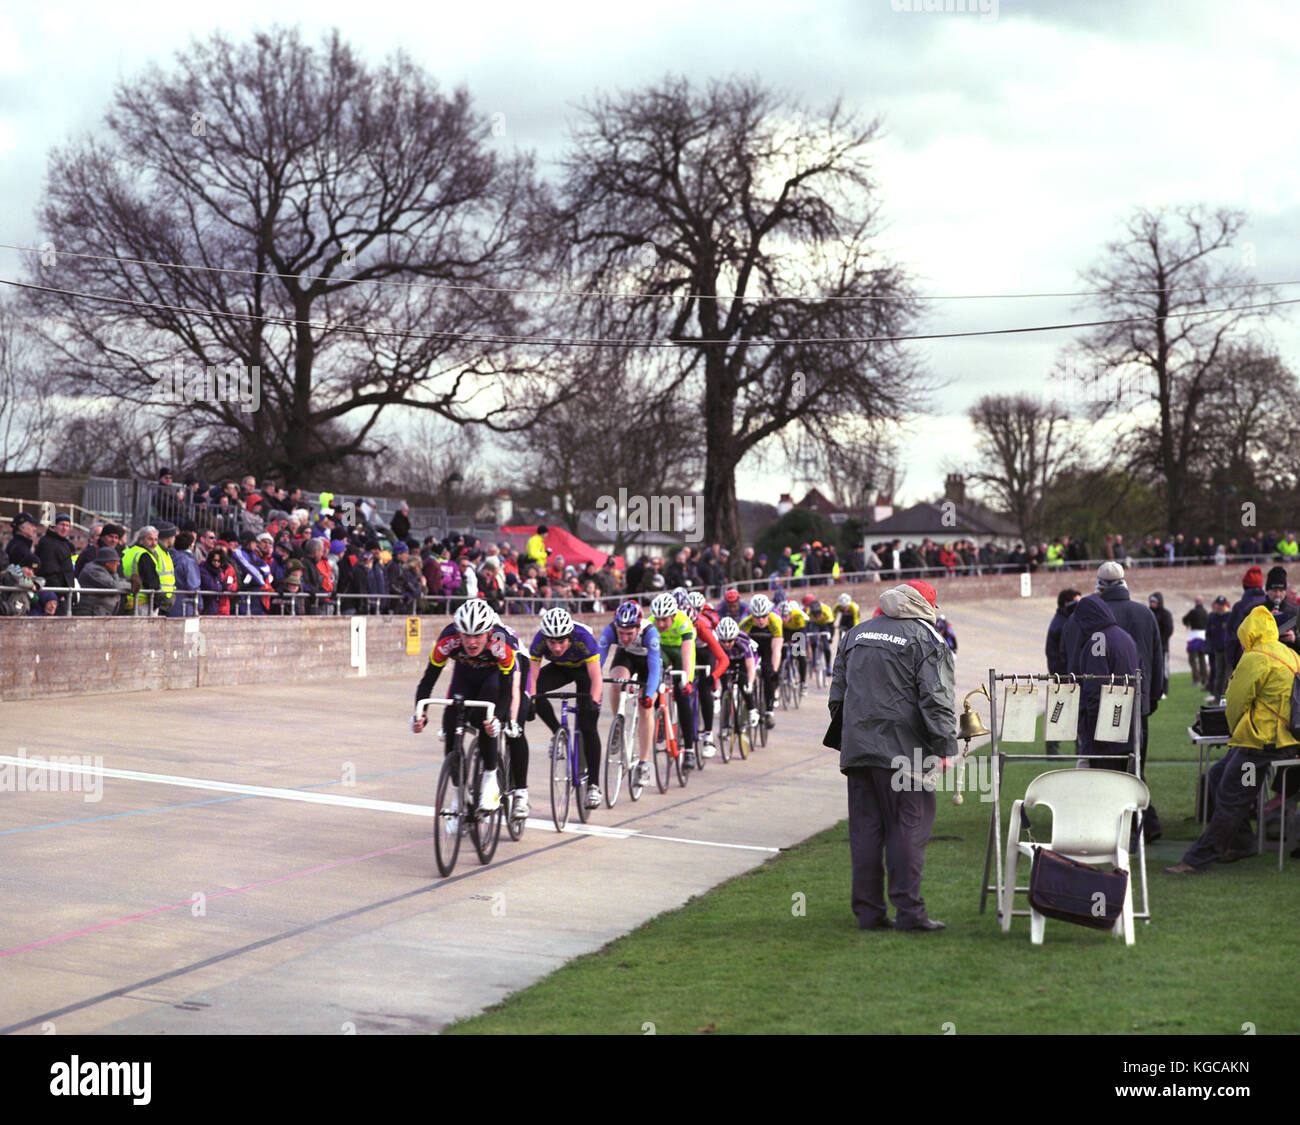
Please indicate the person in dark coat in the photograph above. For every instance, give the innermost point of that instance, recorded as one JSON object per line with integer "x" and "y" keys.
{"x": 55, "y": 554}
{"x": 1165, "y": 624}
{"x": 1104, "y": 649}
{"x": 20, "y": 548}
{"x": 1216, "y": 644}
{"x": 1196, "y": 620}
{"x": 1252, "y": 594}
{"x": 401, "y": 522}
{"x": 1058, "y": 663}
{"x": 1284, "y": 612}
{"x": 1140, "y": 624}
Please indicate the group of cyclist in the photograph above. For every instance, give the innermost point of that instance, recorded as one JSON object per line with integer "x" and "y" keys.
{"x": 681, "y": 633}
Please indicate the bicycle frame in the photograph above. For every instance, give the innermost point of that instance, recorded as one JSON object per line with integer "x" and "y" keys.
{"x": 577, "y": 779}
{"x": 458, "y": 814}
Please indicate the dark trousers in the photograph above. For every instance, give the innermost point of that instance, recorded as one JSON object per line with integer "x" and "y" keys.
{"x": 1218, "y": 673}
{"x": 1240, "y": 774}
{"x": 1200, "y": 667}
{"x": 893, "y": 827}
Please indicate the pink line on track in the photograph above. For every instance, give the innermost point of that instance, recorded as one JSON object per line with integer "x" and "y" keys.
{"x": 215, "y": 894}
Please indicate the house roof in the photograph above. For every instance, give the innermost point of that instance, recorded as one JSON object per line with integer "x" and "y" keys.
{"x": 928, "y": 519}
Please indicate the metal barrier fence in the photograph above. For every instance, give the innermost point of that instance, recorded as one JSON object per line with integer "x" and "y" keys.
{"x": 191, "y": 603}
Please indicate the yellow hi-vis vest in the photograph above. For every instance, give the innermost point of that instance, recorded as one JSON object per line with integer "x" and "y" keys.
{"x": 162, "y": 563}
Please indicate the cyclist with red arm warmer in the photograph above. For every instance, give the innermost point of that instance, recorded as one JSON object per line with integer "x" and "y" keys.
{"x": 677, "y": 645}
{"x": 485, "y": 666}
{"x": 574, "y": 659}
{"x": 710, "y": 662}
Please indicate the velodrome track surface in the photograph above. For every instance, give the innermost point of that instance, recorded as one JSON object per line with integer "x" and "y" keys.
{"x": 321, "y": 910}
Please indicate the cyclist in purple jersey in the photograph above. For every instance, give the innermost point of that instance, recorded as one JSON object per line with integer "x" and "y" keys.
{"x": 574, "y": 658}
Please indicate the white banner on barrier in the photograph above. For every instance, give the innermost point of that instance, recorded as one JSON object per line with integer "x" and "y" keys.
{"x": 1019, "y": 713}
{"x": 1116, "y": 713}
{"x": 1062, "y": 722}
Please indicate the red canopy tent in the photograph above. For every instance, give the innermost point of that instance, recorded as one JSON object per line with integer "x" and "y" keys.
{"x": 565, "y": 543}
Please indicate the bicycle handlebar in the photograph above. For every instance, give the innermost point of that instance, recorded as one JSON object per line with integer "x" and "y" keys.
{"x": 421, "y": 704}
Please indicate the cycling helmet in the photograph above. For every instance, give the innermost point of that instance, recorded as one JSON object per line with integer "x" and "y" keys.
{"x": 728, "y": 630}
{"x": 556, "y": 623}
{"x": 696, "y": 600}
{"x": 683, "y": 597}
{"x": 761, "y": 606}
{"x": 664, "y": 605}
{"x": 731, "y": 597}
{"x": 785, "y": 609}
{"x": 815, "y": 608}
{"x": 474, "y": 618}
{"x": 844, "y": 599}
{"x": 808, "y": 599}
{"x": 628, "y": 615}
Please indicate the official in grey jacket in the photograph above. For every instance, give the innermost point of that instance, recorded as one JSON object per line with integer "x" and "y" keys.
{"x": 892, "y": 699}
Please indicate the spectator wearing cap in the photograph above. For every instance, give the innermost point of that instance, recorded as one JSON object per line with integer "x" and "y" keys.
{"x": 1058, "y": 663}
{"x": 1216, "y": 645}
{"x": 101, "y": 573}
{"x": 535, "y": 549}
{"x": 1275, "y": 597}
{"x": 1252, "y": 594}
{"x": 317, "y": 575}
{"x": 1139, "y": 623}
{"x": 186, "y": 601}
{"x": 287, "y": 586}
{"x": 254, "y": 573}
{"x": 54, "y": 552}
{"x": 110, "y": 535}
{"x": 891, "y": 701}
{"x": 402, "y": 580}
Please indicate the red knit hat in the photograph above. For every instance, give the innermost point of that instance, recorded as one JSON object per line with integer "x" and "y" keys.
{"x": 928, "y": 592}
{"x": 1254, "y": 577}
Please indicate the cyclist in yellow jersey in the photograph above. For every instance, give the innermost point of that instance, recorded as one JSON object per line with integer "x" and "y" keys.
{"x": 766, "y": 630}
{"x": 796, "y": 628}
{"x": 847, "y": 614}
{"x": 821, "y": 621}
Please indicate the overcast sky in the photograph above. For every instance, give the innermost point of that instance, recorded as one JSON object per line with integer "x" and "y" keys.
{"x": 1017, "y": 137}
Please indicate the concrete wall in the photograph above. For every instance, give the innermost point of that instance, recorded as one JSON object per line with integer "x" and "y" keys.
{"x": 83, "y": 655}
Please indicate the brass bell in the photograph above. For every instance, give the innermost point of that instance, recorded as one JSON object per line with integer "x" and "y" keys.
{"x": 971, "y": 725}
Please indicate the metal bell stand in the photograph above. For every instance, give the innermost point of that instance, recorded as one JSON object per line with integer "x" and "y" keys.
{"x": 1133, "y": 761}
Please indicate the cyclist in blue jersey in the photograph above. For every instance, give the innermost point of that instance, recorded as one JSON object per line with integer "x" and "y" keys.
{"x": 638, "y": 656}
{"x": 574, "y": 659}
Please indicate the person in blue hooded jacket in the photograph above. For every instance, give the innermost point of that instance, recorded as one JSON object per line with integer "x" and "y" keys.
{"x": 1104, "y": 649}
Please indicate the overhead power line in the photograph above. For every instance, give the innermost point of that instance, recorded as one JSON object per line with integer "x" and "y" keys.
{"x": 589, "y": 342}
{"x": 516, "y": 291}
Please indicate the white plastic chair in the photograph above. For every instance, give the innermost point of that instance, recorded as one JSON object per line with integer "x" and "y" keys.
{"x": 1092, "y": 812}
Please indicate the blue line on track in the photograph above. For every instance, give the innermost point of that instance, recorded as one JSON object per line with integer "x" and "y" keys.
{"x": 195, "y": 804}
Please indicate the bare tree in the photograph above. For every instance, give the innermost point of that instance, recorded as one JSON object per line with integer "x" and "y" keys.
{"x": 735, "y": 226}
{"x": 1023, "y": 445}
{"x": 855, "y": 462}
{"x": 322, "y": 177}
{"x": 614, "y": 430}
{"x": 27, "y": 413}
{"x": 1163, "y": 270}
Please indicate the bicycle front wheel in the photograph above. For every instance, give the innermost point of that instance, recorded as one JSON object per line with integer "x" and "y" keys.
{"x": 561, "y": 783}
{"x": 484, "y": 827}
{"x": 724, "y": 727}
{"x": 615, "y": 762}
{"x": 449, "y": 801}
{"x": 663, "y": 763}
{"x": 581, "y": 780}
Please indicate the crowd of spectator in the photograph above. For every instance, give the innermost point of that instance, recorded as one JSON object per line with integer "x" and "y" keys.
{"x": 894, "y": 560}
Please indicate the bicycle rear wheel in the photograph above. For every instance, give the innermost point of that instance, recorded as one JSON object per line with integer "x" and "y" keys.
{"x": 561, "y": 784}
{"x": 663, "y": 763}
{"x": 615, "y": 762}
{"x": 449, "y": 801}
{"x": 484, "y": 827}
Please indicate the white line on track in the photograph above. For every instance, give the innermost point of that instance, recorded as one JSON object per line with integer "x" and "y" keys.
{"x": 341, "y": 801}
